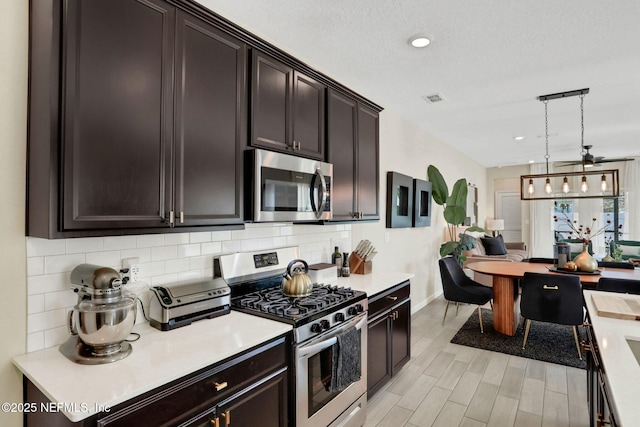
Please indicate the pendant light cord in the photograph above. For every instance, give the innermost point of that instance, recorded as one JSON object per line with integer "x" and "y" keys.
{"x": 546, "y": 134}
{"x": 583, "y": 152}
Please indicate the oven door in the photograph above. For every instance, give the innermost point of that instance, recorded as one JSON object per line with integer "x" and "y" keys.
{"x": 315, "y": 405}
{"x": 289, "y": 188}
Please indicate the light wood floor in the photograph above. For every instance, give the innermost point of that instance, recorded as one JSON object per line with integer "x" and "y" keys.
{"x": 451, "y": 385}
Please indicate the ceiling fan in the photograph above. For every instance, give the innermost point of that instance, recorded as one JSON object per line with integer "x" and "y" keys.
{"x": 589, "y": 160}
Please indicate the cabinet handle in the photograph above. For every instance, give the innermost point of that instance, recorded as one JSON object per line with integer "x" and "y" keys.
{"x": 392, "y": 297}
{"x": 220, "y": 386}
{"x": 584, "y": 347}
{"x": 215, "y": 422}
{"x": 601, "y": 421}
{"x": 227, "y": 418}
{"x": 299, "y": 145}
{"x": 181, "y": 217}
{"x": 555, "y": 288}
{"x": 172, "y": 217}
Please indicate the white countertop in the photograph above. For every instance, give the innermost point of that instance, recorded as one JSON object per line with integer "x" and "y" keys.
{"x": 157, "y": 358}
{"x": 374, "y": 283}
{"x": 621, "y": 367}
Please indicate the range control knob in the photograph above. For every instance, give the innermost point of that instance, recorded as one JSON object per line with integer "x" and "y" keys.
{"x": 359, "y": 308}
{"x": 352, "y": 311}
{"x": 339, "y": 317}
{"x": 325, "y": 324}
{"x": 316, "y": 328}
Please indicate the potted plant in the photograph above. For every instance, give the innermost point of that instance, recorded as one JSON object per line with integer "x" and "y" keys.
{"x": 455, "y": 212}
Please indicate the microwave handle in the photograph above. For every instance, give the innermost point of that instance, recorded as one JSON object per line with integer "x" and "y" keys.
{"x": 323, "y": 198}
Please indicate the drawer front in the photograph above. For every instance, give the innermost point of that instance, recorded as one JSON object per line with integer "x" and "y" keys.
{"x": 184, "y": 399}
{"x": 387, "y": 299}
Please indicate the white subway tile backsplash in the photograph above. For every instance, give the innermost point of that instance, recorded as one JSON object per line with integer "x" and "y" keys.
{"x": 35, "y": 303}
{"x": 43, "y": 247}
{"x": 62, "y": 263}
{"x": 186, "y": 251}
{"x": 200, "y": 237}
{"x": 46, "y": 320}
{"x": 150, "y": 240}
{"x": 85, "y": 244}
{"x": 60, "y": 299}
{"x": 35, "y": 266}
{"x": 164, "y": 259}
{"x": 176, "y": 239}
{"x": 117, "y": 243}
{"x": 111, "y": 259}
{"x": 35, "y": 341}
{"x": 163, "y": 253}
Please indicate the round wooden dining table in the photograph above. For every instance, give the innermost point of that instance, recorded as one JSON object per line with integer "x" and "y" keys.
{"x": 506, "y": 296}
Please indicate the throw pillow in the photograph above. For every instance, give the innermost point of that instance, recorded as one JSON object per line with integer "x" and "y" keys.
{"x": 629, "y": 250}
{"x": 494, "y": 245}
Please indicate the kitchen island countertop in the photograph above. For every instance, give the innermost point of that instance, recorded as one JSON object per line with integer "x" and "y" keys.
{"x": 375, "y": 282}
{"x": 621, "y": 367}
{"x": 157, "y": 359}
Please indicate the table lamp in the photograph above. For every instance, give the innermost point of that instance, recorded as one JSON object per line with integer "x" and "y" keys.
{"x": 495, "y": 225}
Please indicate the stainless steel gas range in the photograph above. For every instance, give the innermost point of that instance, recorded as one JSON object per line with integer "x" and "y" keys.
{"x": 330, "y": 316}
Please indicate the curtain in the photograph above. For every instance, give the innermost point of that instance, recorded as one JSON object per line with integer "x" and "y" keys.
{"x": 630, "y": 184}
{"x": 541, "y": 216}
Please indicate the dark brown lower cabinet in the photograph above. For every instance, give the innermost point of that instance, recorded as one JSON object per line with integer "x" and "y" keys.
{"x": 389, "y": 337}
{"x": 249, "y": 389}
{"x": 601, "y": 411}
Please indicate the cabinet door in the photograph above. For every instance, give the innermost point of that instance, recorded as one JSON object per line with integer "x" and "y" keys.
{"x": 378, "y": 363}
{"x": 264, "y": 405}
{"x": 118, "y": 114}
{"x": 308, "y": 117}
{"x": 400, "y": 337}
{"x": 210, "y": 124}
{"x": 271, "y": 103}
{"x": 368, "y": 164}
{"x": 341, "y": 136}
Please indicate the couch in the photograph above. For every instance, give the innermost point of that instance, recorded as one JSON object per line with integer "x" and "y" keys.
{"x": 515, "y": 252}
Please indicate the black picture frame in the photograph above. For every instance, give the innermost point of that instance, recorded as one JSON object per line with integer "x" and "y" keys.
{"x": 421, "y": 203}
{"x": 399, "y": 200}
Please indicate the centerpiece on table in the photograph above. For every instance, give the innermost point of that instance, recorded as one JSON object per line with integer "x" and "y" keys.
{"x": 584, "y": 261}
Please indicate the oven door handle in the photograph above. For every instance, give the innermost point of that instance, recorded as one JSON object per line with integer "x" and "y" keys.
{"x": 323, "y": 197}
{"x": 318, "y": 347}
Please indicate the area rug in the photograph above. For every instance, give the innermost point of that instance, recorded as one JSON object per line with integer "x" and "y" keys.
{"x": 547, "y": 342}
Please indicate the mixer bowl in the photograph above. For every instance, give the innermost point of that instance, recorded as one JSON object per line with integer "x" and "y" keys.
{"x": 103, "y": 326}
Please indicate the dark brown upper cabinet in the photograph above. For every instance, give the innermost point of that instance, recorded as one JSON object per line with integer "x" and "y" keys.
{"x": 353, "y": 149}
{"x": 287, "y": 109}
{"x": 149, "y": 127}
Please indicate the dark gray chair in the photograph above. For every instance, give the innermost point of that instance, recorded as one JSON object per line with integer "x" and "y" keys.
{"x": 458, "y": 287}
{"x": 623, "y": 286}
{"x": 551, "y": 298}
{"x": 612, "y": 264}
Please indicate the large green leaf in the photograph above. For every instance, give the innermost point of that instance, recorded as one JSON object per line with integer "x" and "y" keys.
{"x": 448, "y": 248}
{"x": 439, "y": 189}
{"x": 455, "y": 214}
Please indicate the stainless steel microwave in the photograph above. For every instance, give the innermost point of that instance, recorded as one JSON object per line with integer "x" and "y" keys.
{"x": 289, "y": 188}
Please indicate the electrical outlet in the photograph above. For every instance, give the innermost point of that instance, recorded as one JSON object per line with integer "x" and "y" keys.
{"x": 133, "y": 267}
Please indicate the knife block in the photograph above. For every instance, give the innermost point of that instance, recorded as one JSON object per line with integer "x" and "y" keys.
{"x": 359, "y": 266}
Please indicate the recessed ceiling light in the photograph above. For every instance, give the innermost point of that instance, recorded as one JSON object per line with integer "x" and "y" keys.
{"x": 420, "y": 41}
{"x": 532, "y": 161}
{"x": 518, "y": 138}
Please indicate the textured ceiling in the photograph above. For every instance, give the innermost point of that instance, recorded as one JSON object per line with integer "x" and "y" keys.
{"x": 489, "y": 60}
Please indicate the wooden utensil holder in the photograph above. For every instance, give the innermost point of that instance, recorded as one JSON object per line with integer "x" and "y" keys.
{"x": 358, "y": 265}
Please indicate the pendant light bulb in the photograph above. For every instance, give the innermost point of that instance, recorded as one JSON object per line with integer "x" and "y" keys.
{"x": 547, "y": 186}
{"x": 583, "y": 186}
{"x": 603, "y": 183}
{"x": 565, "y": 185}
{"x": 531, "y": 189}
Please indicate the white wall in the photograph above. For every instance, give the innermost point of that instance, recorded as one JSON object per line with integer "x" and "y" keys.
{"x": 408, "y": 149}
{"x": 13, "y": 127}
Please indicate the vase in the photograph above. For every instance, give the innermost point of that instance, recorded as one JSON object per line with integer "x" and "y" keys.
{"x": 585, "y": 262}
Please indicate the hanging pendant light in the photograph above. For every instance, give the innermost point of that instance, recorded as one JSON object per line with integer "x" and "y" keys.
{"x": 609, "y": 180}
{"x": 603, "y": 183}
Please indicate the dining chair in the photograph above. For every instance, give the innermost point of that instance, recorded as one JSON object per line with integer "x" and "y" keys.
{"x": 458, "y": 287}
{"x": 623, "y": 286}
{"x": 551, "y": 298}
{"x": 612, "y": 264}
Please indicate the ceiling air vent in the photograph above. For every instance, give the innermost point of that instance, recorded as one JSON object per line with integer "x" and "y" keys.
{"x": 432, "y": 99}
